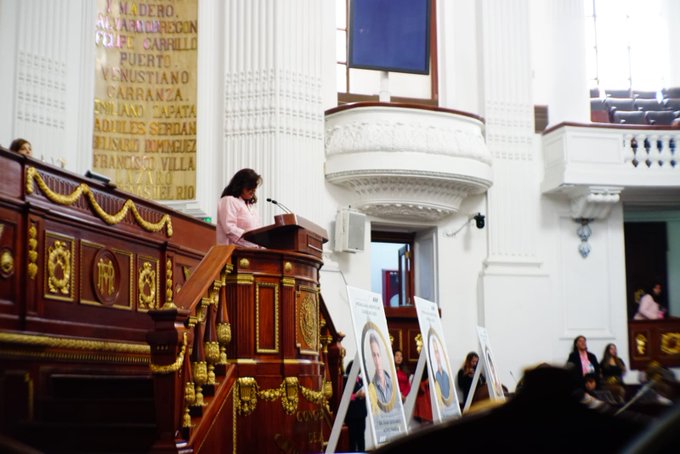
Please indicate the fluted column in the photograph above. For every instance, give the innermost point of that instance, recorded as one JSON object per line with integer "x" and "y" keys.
{"x": 508, "y": 109}
{"x": 273, "y": 114}
{"x": 41, "y": 74}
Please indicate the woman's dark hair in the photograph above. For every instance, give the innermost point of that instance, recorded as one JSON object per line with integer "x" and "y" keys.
{"x": 606, "y": 355}
{"x": 403, "y": 366}
{"x": 17, "y": 144}
{"x": 574, "y": 348}
{"x": 468, "y": 359}
{"x": 243, "y": 179}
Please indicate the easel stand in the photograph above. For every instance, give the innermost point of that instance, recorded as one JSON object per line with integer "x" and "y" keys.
{"x": 344, "y": 403}
{"x": 473, "y": 388}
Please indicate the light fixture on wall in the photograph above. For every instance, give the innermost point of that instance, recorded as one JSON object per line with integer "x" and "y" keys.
{"x": 480, "y": 222}
{"x": 584, "y": 232}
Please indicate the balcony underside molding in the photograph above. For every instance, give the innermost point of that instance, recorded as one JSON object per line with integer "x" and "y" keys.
{"x": 407, "y": 163}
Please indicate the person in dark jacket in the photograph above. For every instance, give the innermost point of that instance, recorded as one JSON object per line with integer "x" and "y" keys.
{"x": 581, "y": 361}
{"x": 356, "y": 413}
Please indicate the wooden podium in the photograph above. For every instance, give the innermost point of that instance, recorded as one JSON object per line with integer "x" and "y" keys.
{"x": 290, "y": 232}
{"x": 273, "y": 300}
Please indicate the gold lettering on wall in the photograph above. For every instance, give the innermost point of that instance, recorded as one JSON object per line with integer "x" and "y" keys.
{"x": 144, "y": 135}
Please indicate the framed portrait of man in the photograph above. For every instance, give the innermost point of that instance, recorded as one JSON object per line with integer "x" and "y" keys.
{"x": 386, "y": 418}
{"x": 444, "y": 396}
{"x": 382, "y": 385}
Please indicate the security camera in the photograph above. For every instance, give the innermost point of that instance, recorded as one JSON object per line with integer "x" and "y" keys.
{"x": 479, "y": 220}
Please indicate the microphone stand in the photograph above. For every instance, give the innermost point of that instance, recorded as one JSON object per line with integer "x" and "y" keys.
{"x": 280, "y": 205}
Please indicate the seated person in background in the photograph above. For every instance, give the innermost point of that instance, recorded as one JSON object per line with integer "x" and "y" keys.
{"x": 597, "y": 399}
{"x": 403, "y": 376}
{"x": 613, "y": 368}
{"x": 649, "y": 308}
{"x": 21, "y": 146}
{"x": 466, "y": 373}
{"x": 422, "y": 411}
{"x": 581, "y": 361}
{"x": 544, "y": 416}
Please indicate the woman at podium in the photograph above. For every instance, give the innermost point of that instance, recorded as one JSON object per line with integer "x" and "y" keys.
{"x": 236, "y": 212}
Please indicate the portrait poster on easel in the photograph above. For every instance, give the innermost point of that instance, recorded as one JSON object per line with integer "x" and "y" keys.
{"x": 487, "y": 361}
{"x": 374, "y": 352}
{"x": 445, "y": 402}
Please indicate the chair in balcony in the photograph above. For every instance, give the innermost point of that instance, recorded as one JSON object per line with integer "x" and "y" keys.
{"x": 618, "y": 104}
{"x": 634, "y": 117}
{"x": 644, "y": 94}
{"x": 671, "y": 104}
{"x": 672, "y": 92}
{"x": 599, "y": 113}
{"x": 647, "y": 104}
{"x": 660, "y": 118}
{"x": 625, "y": 93}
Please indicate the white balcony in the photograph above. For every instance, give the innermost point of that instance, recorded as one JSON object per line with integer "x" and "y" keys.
{"x": 597, "y": 165}
{"x": 403, "y": 161}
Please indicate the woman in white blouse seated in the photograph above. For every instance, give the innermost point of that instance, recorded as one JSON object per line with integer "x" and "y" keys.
{"x": 236, "y": 213}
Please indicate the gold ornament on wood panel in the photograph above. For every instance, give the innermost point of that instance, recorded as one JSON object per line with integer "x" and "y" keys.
{"x": 32, "y": 267}
{"x": 147, "y": 286}
{"x": 309, "y": 327}
{"x": 59, "y": 268}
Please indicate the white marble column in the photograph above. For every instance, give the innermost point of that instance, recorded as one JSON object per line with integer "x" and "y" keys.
{"x": 508, "y": 110}
{"x": 273, "y": 113}
{"x": 569, "y": 97}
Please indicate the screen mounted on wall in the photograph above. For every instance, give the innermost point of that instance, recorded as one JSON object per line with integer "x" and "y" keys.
{"x": 390, "y": 35}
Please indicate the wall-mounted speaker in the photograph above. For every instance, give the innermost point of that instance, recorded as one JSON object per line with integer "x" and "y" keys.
{"x": 350, "y": 228}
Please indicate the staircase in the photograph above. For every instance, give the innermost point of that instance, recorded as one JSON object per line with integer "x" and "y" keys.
{"x": 83, "y": 413}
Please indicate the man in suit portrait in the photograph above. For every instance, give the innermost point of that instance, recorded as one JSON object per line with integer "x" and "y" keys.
{"x": 441, "y": 377}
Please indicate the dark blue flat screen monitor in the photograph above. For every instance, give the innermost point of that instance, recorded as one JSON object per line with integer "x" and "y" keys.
{"x": 390, "y": 35}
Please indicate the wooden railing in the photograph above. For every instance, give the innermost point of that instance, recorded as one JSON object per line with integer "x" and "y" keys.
{"x": 188, "y": 359}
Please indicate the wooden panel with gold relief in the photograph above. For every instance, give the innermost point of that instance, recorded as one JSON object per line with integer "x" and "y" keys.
{"x": 11, "y": 262}
{"x": 307, "y": 320}
{"x": 654, "y": 340}
{"x": 106, "y": 276}
{"x": 60, "y": 267}
{"x": 147, "y": 278}
{"x": 267, "y": 315}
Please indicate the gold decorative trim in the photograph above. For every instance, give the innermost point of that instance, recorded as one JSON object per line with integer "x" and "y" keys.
{"x": 240, "y": 279}
{"x": 6, "y": 263}
{"x": 248, "y": 392}
{"x": 81, "y": 357}
{"x": 79, "y": 344}
{"x": 59, "y": 254}
{"x": 169, "y": 292}
{"x": 288, "y": 281}
{"x": 147, "y": 279}
{"x": 32, "y": 267}
{"x": 172, "y": 367}
{"x": 32, "y": 174}
{"x": 641, "y": 344}
{"x": 276, "y": 318}
{"x": 670, "y": 343}
{"x": 287, "y": 267}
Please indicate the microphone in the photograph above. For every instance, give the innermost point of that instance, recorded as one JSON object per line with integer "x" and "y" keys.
{"x": 280, "y": 205}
